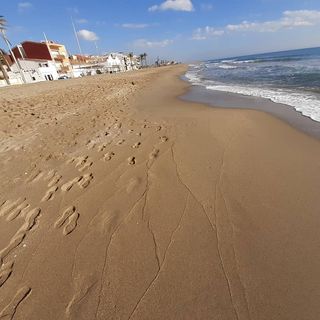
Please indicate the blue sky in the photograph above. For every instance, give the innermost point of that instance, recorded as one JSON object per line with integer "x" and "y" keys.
{"x": 186, "y": 30}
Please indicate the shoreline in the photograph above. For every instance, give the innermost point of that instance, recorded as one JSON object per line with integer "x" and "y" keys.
{"x": 131, "y": 203}
{"x": 287, "y": 113}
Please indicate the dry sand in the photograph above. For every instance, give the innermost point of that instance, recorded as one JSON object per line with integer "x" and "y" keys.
{"x": 119, "y": 201}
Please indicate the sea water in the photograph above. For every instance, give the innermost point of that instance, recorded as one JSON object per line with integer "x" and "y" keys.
{"x": 287, "y": 77}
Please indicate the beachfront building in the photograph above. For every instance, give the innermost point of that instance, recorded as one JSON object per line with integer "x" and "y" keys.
{"x": 120, "y": 62}
{"x": 86, "y": 65}
{"x": 47, "y": 50}
{"x": 34, "y": 70}
{"x": 115, "y": 62}
{"x": 60, "y": 56}
{"x": 135, "y": 61}
{"x": 22, "y": 69}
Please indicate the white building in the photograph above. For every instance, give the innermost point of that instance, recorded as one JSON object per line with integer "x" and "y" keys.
{"x": 83, "y": 70}
{"x": 34, "y": 71}
{"x": 115, "y": 62}
{"x": 119, "y": 62}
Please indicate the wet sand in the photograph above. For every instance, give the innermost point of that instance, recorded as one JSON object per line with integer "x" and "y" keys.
{"x": 120, "y": 201}
{"x": 284, "y": 112}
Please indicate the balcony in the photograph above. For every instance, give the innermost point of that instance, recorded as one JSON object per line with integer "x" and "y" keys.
{"x": 59, "y": 57}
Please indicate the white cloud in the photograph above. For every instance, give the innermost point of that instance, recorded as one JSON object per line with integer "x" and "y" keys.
{"x": 87, "y": 35}
{"x": 143, "y": 43}
{"x": 134, "y": 25}
{"x": 289, "y": 20}
{"x": 207, "y": 32}
{"x": 177, "y": 5}
{"x": 82, "y": 21}
{"x": 23, "y": 6}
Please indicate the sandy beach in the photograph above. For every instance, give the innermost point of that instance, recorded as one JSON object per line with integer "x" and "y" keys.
{"x": 120, "y": 201}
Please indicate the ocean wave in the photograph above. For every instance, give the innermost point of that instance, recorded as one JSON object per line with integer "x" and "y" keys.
{"x": 228, "y": 61}
{"x": 307, "y": 104}
{"x": 290, "y": 77}
{"x": 193, "y": 77}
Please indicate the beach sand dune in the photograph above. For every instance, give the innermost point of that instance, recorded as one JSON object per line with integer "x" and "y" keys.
{"x": 120, "y": 201}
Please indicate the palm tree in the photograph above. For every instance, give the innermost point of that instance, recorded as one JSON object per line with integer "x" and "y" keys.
{"x": 3, "y": 24}
{"x": 145, "y": 59}
{"x": 141, "y": 59}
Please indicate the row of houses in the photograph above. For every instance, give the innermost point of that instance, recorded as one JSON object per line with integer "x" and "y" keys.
{"x": 47, "y": 60}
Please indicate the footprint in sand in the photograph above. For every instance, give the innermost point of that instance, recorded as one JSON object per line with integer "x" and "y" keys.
{"x": 71, "y": 224}
{"x": 132, "y": 161}
{"x": 13, "y": 208}
{"x": 50, "y": 175}
{"x": 50, "y": 194}
{"x": 55, "y": 179}
{"x": 8, "y": 206}
{"x": 108, "y": 156}
{"x": 154, "y": 154}
{"x": 136, "y": 145}
{"x": 164, "y": 139}
{"x": 85, "y": 181}
{"x": 80, "y": 161}
{"x": 68, "y": 219}
{"x": 65, "y": 215}
{"x": 158, "y": 128}
{"x": 139, "y": 134}
{"x": 30, "y": 219}
{"x": 90, "y": 144}
{"x": 9, "y": 311}
{"x": 35, "y": 176}
{"x": 19, "y": 210}
{"x": 68, "y": 185}
{"x": 5, "y": 272}
{"x": 86, "y": 166}
{"x": 29, "y": 222}
{"x": 102, "y": 147}
{"x": 120, "y": 142}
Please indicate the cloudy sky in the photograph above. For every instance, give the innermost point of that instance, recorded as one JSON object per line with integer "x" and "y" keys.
{"x": 179, "y": 29}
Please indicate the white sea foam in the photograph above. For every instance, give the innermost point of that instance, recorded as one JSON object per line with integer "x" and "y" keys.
{"x": 228, "y": 61}
{"x": 193, "y": 77}
{"x": 244, "y": 61}
{"x": 307, "y": 104}
{"x": 223, "y": 66}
